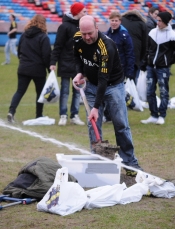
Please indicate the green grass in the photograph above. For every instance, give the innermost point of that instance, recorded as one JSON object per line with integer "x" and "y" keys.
{"x": 154, "y": 147}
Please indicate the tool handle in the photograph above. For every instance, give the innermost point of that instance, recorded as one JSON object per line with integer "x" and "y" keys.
{"x": 83, "y": 96}
{"x": 82, "y": 84}
{"x": 85, "y": 101}
{"x": 97, "y": 135}
{"x": 88, "y": 111}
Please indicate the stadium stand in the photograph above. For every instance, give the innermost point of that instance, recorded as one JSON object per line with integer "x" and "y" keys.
{"x": 53, "y": 10}
{"x": 24, "y": 10}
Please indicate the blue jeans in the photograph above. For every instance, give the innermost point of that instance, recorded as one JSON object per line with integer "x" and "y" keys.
{"x": 23, "y": 83}
{"x": 64, "y": 94}
{"x": 10, "y": 46}
{"x": 160, "y": 76}
{"x": 114, "y": 99}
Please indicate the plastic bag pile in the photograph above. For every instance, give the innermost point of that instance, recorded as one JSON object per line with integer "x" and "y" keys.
{"x": 64, "y": 198}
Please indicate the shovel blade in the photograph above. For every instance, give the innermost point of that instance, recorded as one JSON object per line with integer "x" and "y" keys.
{"x": 104, "y": 149}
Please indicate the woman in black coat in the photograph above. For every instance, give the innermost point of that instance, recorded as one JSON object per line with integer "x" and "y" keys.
{"x": 34, "y": 57}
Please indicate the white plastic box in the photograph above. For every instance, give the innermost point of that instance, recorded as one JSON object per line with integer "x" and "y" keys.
{"x": 92, "y": 170}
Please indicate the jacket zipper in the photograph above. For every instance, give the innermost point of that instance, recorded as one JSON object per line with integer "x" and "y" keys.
{"x": 165, "y": 59}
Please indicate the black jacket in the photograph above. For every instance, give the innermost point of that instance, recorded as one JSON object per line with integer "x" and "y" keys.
{"x": 161, "y": 46}
{"x": 99, "y": 62}
{"x": 63, "y": 47}
{"x": 34, "y": 53}
{"x": 136, "y": 26}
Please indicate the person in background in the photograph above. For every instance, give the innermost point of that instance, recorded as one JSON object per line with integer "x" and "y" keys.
{"x": 11, "y": 42}
{"x": 63, "y": 54}
{"x": 158, "y": 60}
{"x": 123, "y": 41}
{"x": 34, "y": 51}
{"x": 135, "y": 23}
{"x": 97, "y": 59}
{"x": 151, "y": 18}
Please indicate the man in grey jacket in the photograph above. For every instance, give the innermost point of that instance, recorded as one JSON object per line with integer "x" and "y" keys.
{"x": 151, "y": 18}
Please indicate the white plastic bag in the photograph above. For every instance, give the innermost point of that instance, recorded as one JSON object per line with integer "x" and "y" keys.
{"x": 134, "y": 193}
{"x": 146, "y": 105}
{"x": 63, "y": 197}
{"x": 157, "y": 186}
{"x": 143, "y": 177}
{"x": 141, "y": 86}
{"x": 171, "y": 103}
{"x": 131, "y": 89}
{"x": 165, "y": 190}
{"x": 104, "y": 196}
{"x": 39, "y": 121}
{"x": 51, "y": 91}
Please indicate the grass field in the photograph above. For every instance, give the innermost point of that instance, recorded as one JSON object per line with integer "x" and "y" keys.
{"x": 154, "y": 147}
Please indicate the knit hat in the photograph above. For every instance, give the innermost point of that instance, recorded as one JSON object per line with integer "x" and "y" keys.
{"x": 76, "y": 8}
{"x": 165, "y": 16}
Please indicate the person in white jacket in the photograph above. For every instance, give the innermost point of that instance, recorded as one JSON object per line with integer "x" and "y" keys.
{"x": 159, "y": 58}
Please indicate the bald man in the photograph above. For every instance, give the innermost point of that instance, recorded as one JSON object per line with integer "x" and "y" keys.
{"x": 97, "y": 60}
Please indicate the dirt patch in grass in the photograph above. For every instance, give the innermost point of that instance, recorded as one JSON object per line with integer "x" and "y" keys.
{"x": 128, "y": 180}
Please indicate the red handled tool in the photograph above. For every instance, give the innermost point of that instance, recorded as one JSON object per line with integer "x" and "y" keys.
{"x": 81, "y": 89}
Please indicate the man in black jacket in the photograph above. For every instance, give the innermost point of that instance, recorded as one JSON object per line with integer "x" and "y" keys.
{"x": 63, "y": 54}
{"x": 97, "y": 59}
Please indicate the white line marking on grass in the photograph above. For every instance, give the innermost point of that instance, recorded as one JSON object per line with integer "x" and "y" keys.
{"x": 12, "y": 160}
{"x": 45, "y": 139}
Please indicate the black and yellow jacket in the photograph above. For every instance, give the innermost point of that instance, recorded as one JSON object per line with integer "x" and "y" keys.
{"x": 99, "y": 62}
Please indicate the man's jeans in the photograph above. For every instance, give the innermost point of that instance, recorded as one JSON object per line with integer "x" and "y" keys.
{"x": 10, "y": 46}
{"x": 64, "y": 94}
{"x": 115, "y": 101}
{"x": 160, "y": 76}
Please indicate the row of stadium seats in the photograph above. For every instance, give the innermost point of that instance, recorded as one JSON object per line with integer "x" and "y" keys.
{"x": 53, "y": 10}
{"x": 23, "y": 10}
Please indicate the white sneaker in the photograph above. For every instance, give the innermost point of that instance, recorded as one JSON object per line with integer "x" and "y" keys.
{"x": 4, "y": 63}
{"x": 10, "y": 118}
{"x": 149, "y": 120}
{"x": 63, "y": 120}
{"x": 160, "y": 121}
{"x": 76, "y": 120}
